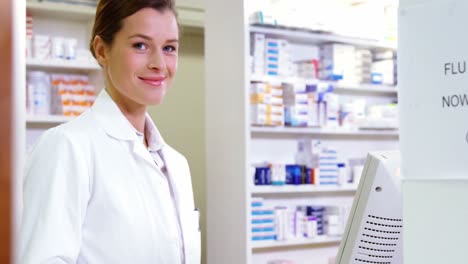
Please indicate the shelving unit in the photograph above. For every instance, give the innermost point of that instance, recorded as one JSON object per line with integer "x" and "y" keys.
{"x": 319, "y": 241}
{"x": 311, "y": 37}
{"x": 189, "y": 16}
{"x": 63, "y": 65}
{"x": 338, "y": 86}
{"x": 270, "y": 143}
{"x": 48, "y": 119}
{"x": 61, "y": 10}
{"x": 322, "y": 132}
{"x": 64, "y": 20}
{"x": 302, "y": 189}
{"x": 233, "y": 144}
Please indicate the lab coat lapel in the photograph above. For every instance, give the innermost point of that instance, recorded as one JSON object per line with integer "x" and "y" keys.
{"x": 113, "y": 121}
{"x": 141, "y": 152}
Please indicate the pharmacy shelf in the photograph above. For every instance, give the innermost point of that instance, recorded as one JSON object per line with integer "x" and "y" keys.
{"x": 365, "y": 88}
{"x": 61, "y": 10}
{"x": 304, "y": 188}
{"x": 338, "y": 86}
{"x": 48, "y": 119}
{"x": 193, "y": 17}
{"x": 319, "y": 241}
{"x": 63, "y": 64}
{"x": 312, "y": 131}
{"x": 310, "y": 37}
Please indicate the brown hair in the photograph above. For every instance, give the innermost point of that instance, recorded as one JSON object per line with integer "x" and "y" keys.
{"x": 110, "y": 13}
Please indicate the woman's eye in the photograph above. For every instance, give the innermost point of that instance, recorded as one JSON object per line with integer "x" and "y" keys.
{"x": 140, "y": 46}
{"x": 169, "y": 49}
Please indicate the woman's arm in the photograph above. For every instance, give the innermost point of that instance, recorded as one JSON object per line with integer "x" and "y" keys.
{"x": 55, "y": 196}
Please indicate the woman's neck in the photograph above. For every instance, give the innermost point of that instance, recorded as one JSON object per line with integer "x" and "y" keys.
{"x": 134, "y": 112}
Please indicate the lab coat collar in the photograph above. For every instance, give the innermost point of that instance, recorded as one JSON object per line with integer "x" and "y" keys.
{"x": 117, "y": 125}
{"x": 155, "y": 140}
{"x": 152, "y": 135}
{"x": 112, "y": 119}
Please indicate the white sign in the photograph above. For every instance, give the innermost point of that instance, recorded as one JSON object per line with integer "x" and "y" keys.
{"x": 433, "y": 89}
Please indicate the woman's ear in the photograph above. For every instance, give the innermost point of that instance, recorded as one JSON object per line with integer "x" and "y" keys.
{"x": 100, "y": 51}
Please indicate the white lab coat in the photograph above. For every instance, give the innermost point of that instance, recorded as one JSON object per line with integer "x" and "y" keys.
{"x": 89, "y": 196}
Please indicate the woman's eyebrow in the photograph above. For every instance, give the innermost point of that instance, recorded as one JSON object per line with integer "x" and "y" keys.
{"x": 175, "y": 40}
{"x": 140, "y": 36}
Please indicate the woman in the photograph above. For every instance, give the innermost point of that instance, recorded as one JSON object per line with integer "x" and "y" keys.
{"x": 105, "y": 188}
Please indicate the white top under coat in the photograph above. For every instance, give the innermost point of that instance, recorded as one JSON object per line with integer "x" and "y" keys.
{"x": 93, "y": 194}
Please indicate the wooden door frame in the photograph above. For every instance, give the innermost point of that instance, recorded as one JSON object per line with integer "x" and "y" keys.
{"x": 6, "y": 135}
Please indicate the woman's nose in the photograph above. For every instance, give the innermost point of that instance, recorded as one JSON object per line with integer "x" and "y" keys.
{"x": 156, "y": 61}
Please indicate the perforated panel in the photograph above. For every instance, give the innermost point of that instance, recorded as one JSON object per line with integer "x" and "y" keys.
{"x": 378, "y": 240}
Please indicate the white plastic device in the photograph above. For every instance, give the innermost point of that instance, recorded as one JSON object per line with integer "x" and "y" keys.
{"x": 373, "y": 233}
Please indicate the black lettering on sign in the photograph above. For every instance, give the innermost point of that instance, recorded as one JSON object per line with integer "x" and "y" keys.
{"x": 455, "y": 100}
{"x": 455, "y": 68}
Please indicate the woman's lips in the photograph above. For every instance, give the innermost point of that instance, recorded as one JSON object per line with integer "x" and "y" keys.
{"x": 153, "y": 81}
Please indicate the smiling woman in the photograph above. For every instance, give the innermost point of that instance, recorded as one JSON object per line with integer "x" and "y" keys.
{"x": 105, "y": 187}
{"x": 139, "y": 59}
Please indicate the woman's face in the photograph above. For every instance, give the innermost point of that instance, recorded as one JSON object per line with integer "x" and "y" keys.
{"x": 142, "y": 61}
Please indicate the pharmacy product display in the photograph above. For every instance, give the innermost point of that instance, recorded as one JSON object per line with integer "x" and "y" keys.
{"x": 315, "y": 165}
{"x": 333, "y": 62}
{"x": 299, "y": 103}
{"x": 47, "y": 47}
{"x": 309, "y": 82}
{"x": 302, "y": 197}
{"x": 62, "y": 77}
{"x": 302, "y": 93}
{"x": 295, "y": 222}
{"x": 58, "y": 94}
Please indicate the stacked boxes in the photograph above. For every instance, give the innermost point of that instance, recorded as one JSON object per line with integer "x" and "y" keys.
{"x": 262, "y": 175}
{"x": 337, "y": 62}
{"x": 277, "y": 57}
{"x": 310, "y": 226}
{"x": 283, "y": 223}
{"x": 318, "y": 213}
{"x": 266, "y": 102}
{"x": 299, "y": 218}
{"x": 323, "y": 105}
{"x": 270, "y": 174}
{"x": 270, "y": 57}
{"x": 328, "y": 167}
{"x": 384, "y": 68}
{"x": 38, "y": 93}
{"x": 263, "y": 221}
{"x": 263, "y": 17}
{"x": 313, "y": 106}
{"x": 71, "y": 94}
{"x": 308, "y": 69}
{"x": 332, "y": 109}
{"x": 363, "y": 66}
{"x": 41, "y": 47}
{"x": 257, "y": 47}
{"x": 296, "y": 109}
{"x": 334, "y": 225}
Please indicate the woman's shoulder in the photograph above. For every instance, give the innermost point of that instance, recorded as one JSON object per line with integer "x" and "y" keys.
{"x": 81, "y": 125}
{"x": 73, "y": 133}
{"x": 174, "y": 154}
